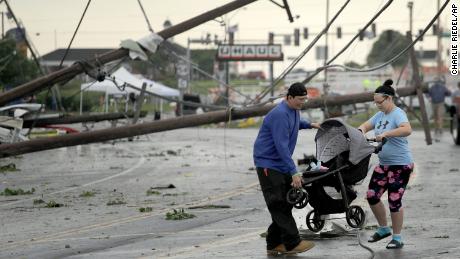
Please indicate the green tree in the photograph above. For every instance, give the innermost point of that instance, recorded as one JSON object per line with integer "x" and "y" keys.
{"x": 204, "y": 58}
{"x": 388, "y": 45}
{"x": 15, "y": 68}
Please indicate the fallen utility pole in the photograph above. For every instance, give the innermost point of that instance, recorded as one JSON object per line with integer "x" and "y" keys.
{"x": 70, "y": 72}
{"x": 40, "y": 122}
{"x": 35, "y": 145}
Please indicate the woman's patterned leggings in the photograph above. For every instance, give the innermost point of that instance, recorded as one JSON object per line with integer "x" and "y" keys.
{"x": 394, "y": 178}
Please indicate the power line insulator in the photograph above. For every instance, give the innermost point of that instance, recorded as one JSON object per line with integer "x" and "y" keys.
{"x": 305, "y": 33}
{"x": 361, "y": 35}
{"x": 296, "y": 37}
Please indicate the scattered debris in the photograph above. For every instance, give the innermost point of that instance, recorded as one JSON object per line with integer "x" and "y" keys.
{"x": 454, "y": 170}
{"x": 175, "y": 194}
{"x": 13, "y": 192}
{"x": 371, "y": 227}
{"x": 209, "y": 206}
{"x": 38, "y": 201}
{"x": 251, "y": 168}
{"x": 188, "y": 146}
{"x": 172, "y": 152}
{"x": 169, "y": 186}
{"x": 67, "y": 246}
{"x": 87, "y": 194}
{"x": 53, "y": 204}
{"x": 11, "y": 167}
{"x": 264, "y": 234}
{"x": 117, "y": 201}
{"x": 185, "y": 165}
{"x": 179, "y": 215}
{"x": 443, "y": 236}
{"x": 151, "y": 191}
{"x": 146, "y": 209}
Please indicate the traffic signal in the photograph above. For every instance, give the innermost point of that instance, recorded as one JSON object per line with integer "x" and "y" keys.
{"x": 420, "y": 32}
{"x": 389, "y": 35}
{"x": 296, "y": 37}
{"x": 231, "y": 37}
{"x": 287, "y": 40}
{"x": 339, "y": 32}
{"x": 435, "y": 29}
{"x": 305, "y": 33}
{"x": 271, "y": 38}
{"x": 374, "y": 29}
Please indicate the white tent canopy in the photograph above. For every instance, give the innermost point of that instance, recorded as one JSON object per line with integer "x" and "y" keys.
{"x": 122, "y": 76}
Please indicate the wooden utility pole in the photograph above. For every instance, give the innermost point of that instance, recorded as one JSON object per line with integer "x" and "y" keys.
{"x": 70, "y": 72}
{"x": 418, "y": 87}
{"x": 35, "y": 145}
{"x": 40, "y": 122}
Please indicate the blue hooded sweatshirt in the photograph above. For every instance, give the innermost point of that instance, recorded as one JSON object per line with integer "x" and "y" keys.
{"x": 277, "y": 138}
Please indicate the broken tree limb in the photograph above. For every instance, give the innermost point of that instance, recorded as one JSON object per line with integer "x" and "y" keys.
{"x": 77, "y": 68}
{"x": 35, "y": 145}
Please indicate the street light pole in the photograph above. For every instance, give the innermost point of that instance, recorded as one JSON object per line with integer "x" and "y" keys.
{"x": 439, "y": 43}
{"x": 410, "y": 5}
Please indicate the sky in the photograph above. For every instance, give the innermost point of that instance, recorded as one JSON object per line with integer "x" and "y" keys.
{"x": 51, "y": 23}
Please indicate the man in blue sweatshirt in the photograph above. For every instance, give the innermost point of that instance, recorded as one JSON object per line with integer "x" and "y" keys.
{"x": 277, "y": 171}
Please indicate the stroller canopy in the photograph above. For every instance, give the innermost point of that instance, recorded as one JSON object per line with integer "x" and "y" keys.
{"x": 335, "y": 137}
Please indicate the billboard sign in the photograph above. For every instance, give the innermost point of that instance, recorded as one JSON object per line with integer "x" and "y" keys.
{"x": 249, "y": 52}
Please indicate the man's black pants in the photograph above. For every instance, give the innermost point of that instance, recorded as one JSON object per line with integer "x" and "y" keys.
{"x": 283, "y": 229}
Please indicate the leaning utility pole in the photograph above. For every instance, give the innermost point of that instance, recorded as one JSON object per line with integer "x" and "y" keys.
{"x": 70, "y": 72}
{"x": 418, "y": 86}
{"x": 35, "y": 145}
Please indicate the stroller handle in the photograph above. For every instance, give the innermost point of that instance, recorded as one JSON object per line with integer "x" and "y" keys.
{"x": 380, "y": 146}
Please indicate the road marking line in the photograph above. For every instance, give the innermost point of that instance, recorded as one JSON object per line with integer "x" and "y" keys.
{"x": 129, "y": 219}
{"x": 137, "y": 165}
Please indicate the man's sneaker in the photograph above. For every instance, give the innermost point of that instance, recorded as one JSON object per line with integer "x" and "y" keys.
{"x": 280, "y": 249}
{"x": 301, "y": 247}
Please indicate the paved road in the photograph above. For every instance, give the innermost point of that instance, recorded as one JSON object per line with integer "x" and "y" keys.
{"x": 208, "y": 167}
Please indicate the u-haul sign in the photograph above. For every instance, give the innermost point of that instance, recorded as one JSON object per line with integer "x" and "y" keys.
{"x": 256, "y": 52}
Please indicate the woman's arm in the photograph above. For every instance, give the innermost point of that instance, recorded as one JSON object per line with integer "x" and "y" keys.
{"x": 365, "y": 127}
{"x": 403, "y": 130}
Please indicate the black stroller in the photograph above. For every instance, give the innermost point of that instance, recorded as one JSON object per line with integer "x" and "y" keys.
{"x": 346, "y": 153}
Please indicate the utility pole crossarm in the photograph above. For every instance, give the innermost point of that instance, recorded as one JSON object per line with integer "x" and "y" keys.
{"x": 70, "y": 72}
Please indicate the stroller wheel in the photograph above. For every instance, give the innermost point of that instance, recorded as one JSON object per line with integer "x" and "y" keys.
{"x": 303, "y": 202}
{"x": 314, "y": 221}
{"x": 355, "y": 216}
{"x": 294, "y": 196}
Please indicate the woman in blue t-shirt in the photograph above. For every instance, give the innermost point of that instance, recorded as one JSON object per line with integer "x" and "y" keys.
{"x": 395, "y": 163}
